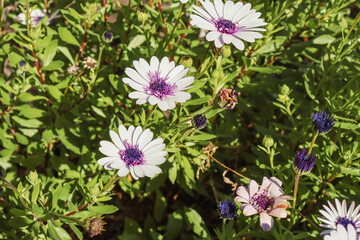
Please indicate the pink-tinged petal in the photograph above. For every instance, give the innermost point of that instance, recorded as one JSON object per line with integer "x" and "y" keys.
{"x": 326, "y": 232}
{"x": 278, "y": 212}
{"x": 275, "y": 190}
{"x": 276, "y": 181}
{"x": 339, "y": 208}
{"x": 265, "y": 184}
{"x": 243, "y": 194}
{"x": 253, "y": 188}
{"x": 266, "y": 221}
{"x": 351, "y": 209}
{"x": 249, "y": 210}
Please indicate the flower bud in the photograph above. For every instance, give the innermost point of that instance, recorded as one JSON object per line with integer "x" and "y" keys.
{"x": 107, "y": 37}
{"x": 23, "y": 66}
{"x": 186, "y": 61}
{"x": 268, "y": 141}
{"x": 142, "y": 15}
{"x": 284, "y": 90}
{"x": 199, "y": 121}
{"x": 226, "y": 50}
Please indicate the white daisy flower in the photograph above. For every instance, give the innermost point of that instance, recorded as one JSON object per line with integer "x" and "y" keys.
{"x": 184, "y": 1}
{"x": 36, "y": 15}
{"x": 341, "y": 233}
{"x": 228, "y": 23}
{"x": 133, "y": 151}
{"x": 159, "y": 83}
{"x": 340, "y": 216}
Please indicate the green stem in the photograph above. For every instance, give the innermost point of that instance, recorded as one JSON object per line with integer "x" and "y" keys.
{"x": 17, "y": 192}
{"x": 244, "y": 229}
{"x": 112, "y": 180}
{"x": 173, "y": 29}
{"x": 99, "y": 59}
{"x": 151, "y": 113}
{"x": 224, "y": 228}
{"x": 69, "y": 218}
{"x": 203, "y": 59}
{"x": 210, "y": 64}
{"x": 312, "y": 143}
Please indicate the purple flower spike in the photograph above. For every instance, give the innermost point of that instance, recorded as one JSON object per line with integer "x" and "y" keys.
{"x": 322, "y": 121}
{"x": 304, "y": 162}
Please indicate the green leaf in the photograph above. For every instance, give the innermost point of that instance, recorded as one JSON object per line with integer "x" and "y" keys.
{"x": 106, "y": 209}
{"x": 14, "y": 59}
{"x": 160, "y": 206}
{"x": 21, "y": 139}
{"x": 136, "y": 41}
{"x": 55, "y": 93}
{"x": 27, "y": 97}
{"x": 174, "y": 226}
{"x": 67, "y": 36}
{"x": 67, "y": 54}
{"x": 30, "y": 112}
{"x": 57, "y": 233}
{"x": 30, "y": 123}
{"x": 76, "y": 231}
{"x": 196, "y": 223}
{"x": 268, "y": 70}
{"x": 50, "y": 52}
{"x": 324, "y": 39}
{"x": 20, "y": 221}
{"x": 54, "y": 65}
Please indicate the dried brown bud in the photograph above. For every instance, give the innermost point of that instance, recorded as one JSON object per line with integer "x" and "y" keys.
{"x": 228, "y": 98}
{"x": 96, "y": 226}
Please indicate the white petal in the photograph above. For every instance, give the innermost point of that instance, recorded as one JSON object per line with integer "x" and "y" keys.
{"x": 266, "y": 221}
{"x": 135, "y": 95}
{"x": 154, "y": 64}
{"x": 253, "y": 188}
{"x": 229, "y": 10}
{"x": 130, "y": 133}
{"x": 152, "y": 144}
{"x": 108, "y": 148}
{"x": 155, "y": 149}
{"x": 163, "y": 105}
{"x": 133, "y": 174}
{"x": 171, "y": 102}
{"x": 116, "y": 140}
{"x": 155, "y": 160}
{"x": 136, "y": 135}
{"x": 142, "y": 69}
{"x": 135, "y": 76}
{"x": 219, "y": 42}
{"x": 105, "y": 160}
{"x": 238, "y": 44}
{"x": 182, "y": 97}
{"x": 123, "y": 171}
{"x": 142, "y": 100}
{"x": 211, "y": 36}
{"x": 209, "y": 7}
{"x": 123, "y": 133}
{"x": 145, "y": 138}
{"x": 228, "y": 38}
{"x": 201, "y": 22}
{"x": 138, "y": 170}
{"x": 133, "y": 84}
{"x": 248, "y": 36}
{"x": 219, "y": 7}
{"x": 151, "y": 170}
{"x": 180, "y": 75}
{"x": 153, "y": 100}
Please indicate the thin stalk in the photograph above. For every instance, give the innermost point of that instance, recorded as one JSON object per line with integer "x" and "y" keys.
{"x": 69, "y": 218}
{"x": 203, "y": 59}
{"x": 174, "y": 27}
{"x": 112, "y": 180}
{"x": 211, "y": 63}
{"x": 296, "y": 185}
{"x": 151, "y": 113}
{"x": 230, "y": 168}
{"x": 2, "y": 14}
{"x": 312, "y": 143}
{"x": 17, "y": 193}
{"x": 224, "y": 228}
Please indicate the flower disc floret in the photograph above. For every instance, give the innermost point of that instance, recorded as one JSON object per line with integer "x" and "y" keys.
{"x": 228, "y": 22}
{"x": 228, "y": 209}
{"x": 322, "y": 121}
{"x": 133, "y": 150}
{"x": 159, "y": 82}
{"x": 304, "y": 162}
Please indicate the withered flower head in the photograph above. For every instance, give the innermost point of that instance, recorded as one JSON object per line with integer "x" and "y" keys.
{"x": 228, "y": 98}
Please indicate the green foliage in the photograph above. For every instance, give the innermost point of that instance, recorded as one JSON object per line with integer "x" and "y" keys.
{"x": 52, "y": 120}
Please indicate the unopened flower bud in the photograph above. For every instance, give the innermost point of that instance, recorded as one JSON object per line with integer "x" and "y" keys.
{"x": 226, "y": 50}
{"x": 285, "y": 90}
{"x": 199, "y": 121}
{"x": 142, "y": 16}
{"x": 304, "y": 162}
{"x": 186, "y": 61}
{"x": 268, "y": 141}
{"x": 107, "y": 37}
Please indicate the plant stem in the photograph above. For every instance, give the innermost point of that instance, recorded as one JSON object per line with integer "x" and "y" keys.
{"x": 151, "y": 113}
{"x": 296, "y": 185}
{"x": 211, "y": 63}
{"x": 230, "y": 169}
{"x": 203, "y": 59}
{"x": 174, "y": 27}
{"x": 224, "y": 228}
{"x": 312, "y": 143}
{"x": 69, "y": 218}
{"x": 17, "y": 192}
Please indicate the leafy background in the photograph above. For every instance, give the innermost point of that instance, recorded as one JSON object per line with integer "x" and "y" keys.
{"x": 307, "y": 61}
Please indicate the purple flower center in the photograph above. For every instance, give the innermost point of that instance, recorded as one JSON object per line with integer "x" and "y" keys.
{"x": 345, "y": 221}
{"x": 36, "y": 19}
{"x": 158, "y": 86}
{"x": 225, "y": 26}
{"x": 262, "y": 202}
{"x": 132, "y": 155}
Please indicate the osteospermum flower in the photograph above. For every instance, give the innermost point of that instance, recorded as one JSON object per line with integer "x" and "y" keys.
{"x": 303, "y": 162}
{"x": 228, "y": 23}
{"x": 322, "y": 122}
{"x": 134, "y": 151}
{"x": 159, "y": 83}
{"x": 342, "y": 233}
{"x": 228, "y": 209}
{"x": 267, "y": 201}
{"x": 36, "y": 15}
{"x": 340, "y": 216}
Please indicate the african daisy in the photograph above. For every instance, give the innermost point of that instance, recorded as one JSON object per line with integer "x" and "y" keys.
{"x": 267, "y": 201}
{"x": 36, "y": 15}
{"x": 342, "y": 233}
{"x": 158, "y": 83}
{"x": 228, "y": 23}
{"x": 134, "y": 151}
{"x": 340, "y": 216}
